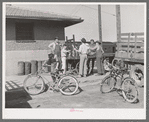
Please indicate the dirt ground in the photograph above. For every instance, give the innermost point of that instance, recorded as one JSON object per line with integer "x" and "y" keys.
{"x": 88, "y": 96}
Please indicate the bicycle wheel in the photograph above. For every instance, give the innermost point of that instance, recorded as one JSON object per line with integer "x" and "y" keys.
{"x": 34, "y": 84}
{"x": 74, "y": 72}
{"x": 129, "y": 90}
{"x": 107, "y": 84}
{"x": 77, "y": 67}
{"x": 68, "y": 85}
{"x": 137, "y": 73}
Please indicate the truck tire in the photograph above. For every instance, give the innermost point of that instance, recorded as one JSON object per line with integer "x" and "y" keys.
{"x": 137, "y": 73}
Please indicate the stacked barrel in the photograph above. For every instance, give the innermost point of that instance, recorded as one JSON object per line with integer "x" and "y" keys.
{"x": 21, "y": 68}
{"x": 25, "y": 68}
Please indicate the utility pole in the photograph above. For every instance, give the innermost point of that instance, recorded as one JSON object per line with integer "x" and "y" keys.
{"x": 118, "y": 25}
{"x": 99, "y": 24}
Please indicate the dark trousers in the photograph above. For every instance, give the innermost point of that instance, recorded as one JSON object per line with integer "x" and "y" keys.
{"x": 90, "y": 68}
{"x": 100, "y": 67}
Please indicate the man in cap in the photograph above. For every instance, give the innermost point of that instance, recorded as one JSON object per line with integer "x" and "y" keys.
{"x": 91, "y": 56}
{"x": 83, "y": 50}
{"x": 56, "y": 50}
{"x": 99, "y": 56}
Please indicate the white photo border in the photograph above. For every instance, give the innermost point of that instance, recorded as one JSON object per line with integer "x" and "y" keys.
{"x": 65, "y": 113}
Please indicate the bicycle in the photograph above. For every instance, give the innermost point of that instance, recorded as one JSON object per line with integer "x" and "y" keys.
{"x": 35, "y": 83}
{"x": 73, "y": 71}
{"x": 128, "y": 86}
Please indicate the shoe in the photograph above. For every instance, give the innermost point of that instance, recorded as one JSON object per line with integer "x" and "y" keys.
{"x": 97, "y": 74}
{"x": 92, "y": 72}
{"x": 102, "y": 74}
{"x": 84, "y": 75}
{"x": 79, "y": 76}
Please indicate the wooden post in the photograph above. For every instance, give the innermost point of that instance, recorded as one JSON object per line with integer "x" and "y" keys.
{"x": 135, "y": 48}
{"x": 99, "y": 24}
{"x": 66, "y": 41}
{"x": 74, "y": 40}
{"x": 66, "y": 38}
{"x": 118, "y": 25}
{"x": 128, "y": 48}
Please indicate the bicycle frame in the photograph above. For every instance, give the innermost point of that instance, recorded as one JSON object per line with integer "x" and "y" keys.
{"x": 124, "y": 88}
{"x": 55, "y": 75}
{"x": 117, "y": 72}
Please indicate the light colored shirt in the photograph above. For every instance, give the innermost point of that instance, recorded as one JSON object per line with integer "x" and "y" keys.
{"x": 92, "y": 49}
{"x": 99, "y": 47}
{"x": 52, "y": 47}
{"x": 64, "y": 52}
{"x": 83, "y": 49}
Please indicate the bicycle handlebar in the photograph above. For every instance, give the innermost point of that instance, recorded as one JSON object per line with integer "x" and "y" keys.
{"x": 116, "y": 68}
{"x": 111, "y": 65}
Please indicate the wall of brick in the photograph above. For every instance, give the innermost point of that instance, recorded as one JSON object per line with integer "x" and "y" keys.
{"x": 44, "y": 34}
{"x": 13, "y": 57}
{"x": 43, "y": 30}
{"x": 37, "y": 45}
{"x": 16, "y": 52}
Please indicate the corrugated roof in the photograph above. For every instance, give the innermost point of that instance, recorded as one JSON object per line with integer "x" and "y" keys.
{"x": 14, "y": 12}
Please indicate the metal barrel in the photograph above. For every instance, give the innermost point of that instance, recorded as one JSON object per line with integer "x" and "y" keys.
{"x": 34, "y": 66}
{"x": 21, "y": 68}
{"x": 27, "y": 68}
{"x": 39, "y": 65}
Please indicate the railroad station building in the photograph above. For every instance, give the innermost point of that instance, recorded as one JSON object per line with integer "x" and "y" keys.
{"x": 28, "y": 34}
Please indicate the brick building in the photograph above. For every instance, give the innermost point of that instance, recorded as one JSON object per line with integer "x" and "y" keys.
{"x": 28, "y": 34}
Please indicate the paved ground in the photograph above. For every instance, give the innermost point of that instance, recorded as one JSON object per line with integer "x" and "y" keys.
{"x": 88, "y": 96}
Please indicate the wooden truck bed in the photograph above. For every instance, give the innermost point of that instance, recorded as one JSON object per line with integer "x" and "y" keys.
{"x": 131, "y": 47}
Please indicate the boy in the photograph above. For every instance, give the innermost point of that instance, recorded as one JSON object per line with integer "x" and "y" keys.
{"x": 83, "y": 50}
{"x": 63, "y": 57}
{"x": 50, "y": 60}
{"x": 56, "y": 49}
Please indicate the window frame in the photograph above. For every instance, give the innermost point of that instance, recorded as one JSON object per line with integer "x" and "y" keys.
{"x": 25, "y": 40}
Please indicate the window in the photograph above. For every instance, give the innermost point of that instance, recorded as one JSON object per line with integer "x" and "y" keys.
{"x": 24, "y": 32}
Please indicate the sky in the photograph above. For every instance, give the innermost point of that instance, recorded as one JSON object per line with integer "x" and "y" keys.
{"x": 132, "y": 19}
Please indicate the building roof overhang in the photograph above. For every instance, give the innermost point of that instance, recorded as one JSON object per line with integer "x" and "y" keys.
{"x": 18, "y": 13}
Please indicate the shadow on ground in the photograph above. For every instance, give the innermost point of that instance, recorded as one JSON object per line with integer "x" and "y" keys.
{"x": 77, "y": 92}
{"x": 17, "y": 98}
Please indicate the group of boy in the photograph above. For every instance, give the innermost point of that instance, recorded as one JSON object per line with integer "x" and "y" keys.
{"x": 59, "y": 54}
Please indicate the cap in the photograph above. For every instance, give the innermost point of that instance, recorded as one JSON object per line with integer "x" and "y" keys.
{"x": 92, "y": 40}
{"x": 83, "y": 40}
{"x": 99, "y": 42}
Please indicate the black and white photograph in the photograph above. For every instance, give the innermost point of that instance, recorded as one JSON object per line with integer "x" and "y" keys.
{"x": 74, "y": 60}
